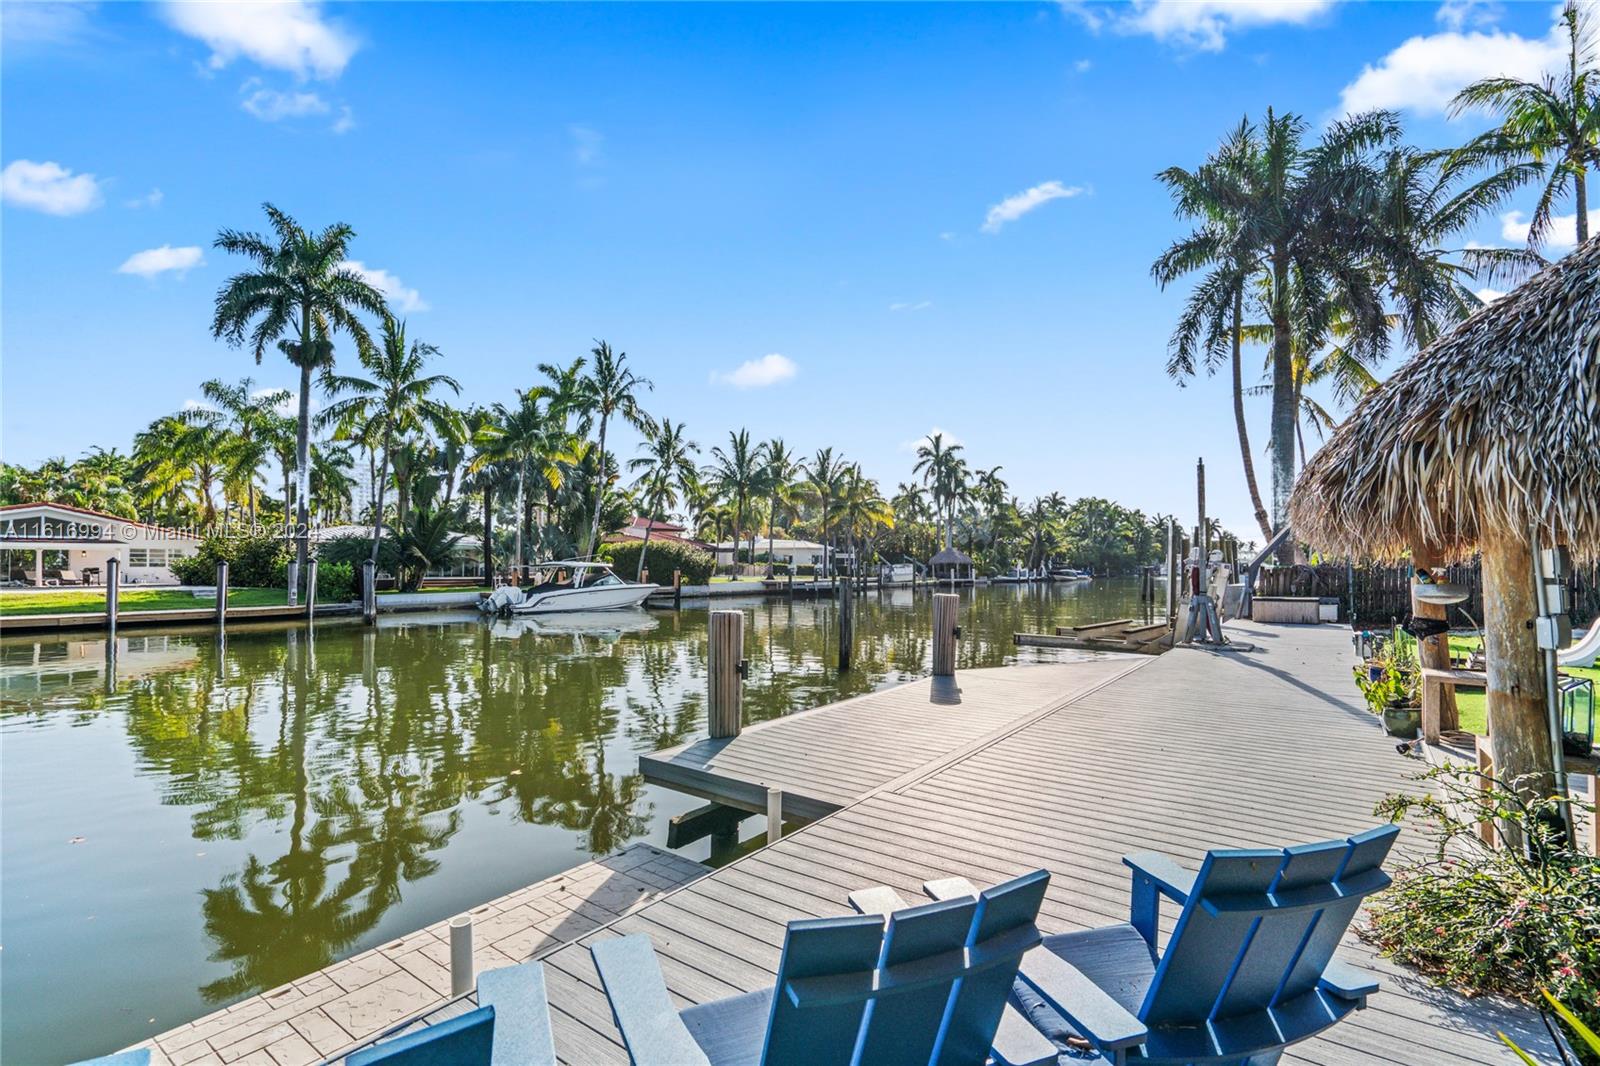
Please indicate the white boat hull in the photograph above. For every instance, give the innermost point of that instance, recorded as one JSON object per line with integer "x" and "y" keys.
{"x": 603, "y": 598}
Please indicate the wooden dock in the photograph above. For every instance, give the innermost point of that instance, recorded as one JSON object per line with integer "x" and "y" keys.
{"x": 826, "y": 758}
{"x": 1188, "y": 751}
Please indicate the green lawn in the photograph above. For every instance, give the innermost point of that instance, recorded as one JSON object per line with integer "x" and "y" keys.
{"x": 86, "y": 601}
{"x": 1470, "y": 702}
{"x": 437, "y": 588}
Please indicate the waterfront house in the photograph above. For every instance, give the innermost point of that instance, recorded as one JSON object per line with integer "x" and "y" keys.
{"x": 54, "y": 544}
{"x": 783, "y": 550}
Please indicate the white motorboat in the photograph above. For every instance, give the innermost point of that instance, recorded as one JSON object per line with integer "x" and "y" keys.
{"x": 1017, "y": 575}
{"x": 606, "y": 625}
{"x": 1066, "y": 573}
{"x": 569, "y": 585}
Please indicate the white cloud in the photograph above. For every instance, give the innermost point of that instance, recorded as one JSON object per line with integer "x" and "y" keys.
{"x": 1489, "y": 296}
{"x": 48, "y": 187}
{"x": 346, "y": 120}
{"x": 950, "y": 439}
{"x": 908, "y": 305}
{"x": 401, "y": 297}
{"x": 772, "y": 369}
{"x": 286, "y": 35}
{"x": 1198, "y": 24}
{"x": 947, "y": 235}
{"x": 48, "y": 22}
{"x": 152, "y": 198}
{"x": 1083, "y": 66}
{"x": 1014, "y": 207}
{"x": 152, "y": 261}
{"x": 1457, "y": 15}
{"x": 270, "y": 105}
{"x": 586, "y": 144}
{"x": 286, "y": 406}
{"x": 1562, "y": 234}
{"x": 1424, "y": 74}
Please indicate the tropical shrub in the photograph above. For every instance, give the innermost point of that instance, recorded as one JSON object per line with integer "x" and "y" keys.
{"x": 254, "y": 561}
{"x": 426, "y": 542}
{"x": 336, "y": 582}
{"x": 1510, "y": 917}
{"x": 661, "y": 560}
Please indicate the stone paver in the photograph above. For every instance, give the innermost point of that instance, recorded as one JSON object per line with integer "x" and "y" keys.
{"x": 317, "y": 1016}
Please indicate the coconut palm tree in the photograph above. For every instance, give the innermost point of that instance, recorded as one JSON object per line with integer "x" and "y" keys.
{"x": 298, "y": 295}
{"x": 484, "y": 476}
{"x": 530, "y": 438}
{"x": 664, "y": 469}
{"x": 610, "y": 388}
{"x": 396, "y": 395}
{"x": 823, "y": 476}
{"x": 736, "y": 473}
{"x": 249, "y": 414}
{"x": 945, "y": 474}
{"x": 778, "y": 476}
{"x": 331, "y": 483}
{"x": 863, "y": 511}
{"x": 1549, "y": 129}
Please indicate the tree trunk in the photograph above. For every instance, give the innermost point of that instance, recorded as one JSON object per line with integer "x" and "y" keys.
{"x": 772, "y": 514}
{"x": 644, "y": 547}
{"x": 1239, "y": 422}
{"x": 1438, "y": 701}
{"x": 1581, "y": 189}
{"x": 516, "y": 550}
{"x": 488, "y": 534}
{"x": 1519, "y": 727}
{"x": 600, "y": 488}
{"x": 302, "y": 448}
{"x": 1283, "y": 409}
{"x": 377, "y": 506}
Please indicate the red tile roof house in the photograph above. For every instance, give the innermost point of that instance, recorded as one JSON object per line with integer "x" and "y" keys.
{"x": 659, "y": 531}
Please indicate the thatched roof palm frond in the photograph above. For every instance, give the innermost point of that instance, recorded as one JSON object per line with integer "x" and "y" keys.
{"x": 1493, "y": 428}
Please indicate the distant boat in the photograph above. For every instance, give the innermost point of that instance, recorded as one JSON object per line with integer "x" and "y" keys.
{"x": 593, "y": 587}
{"x": 1067, "y": 573}
{"x": 1017, "y": 575}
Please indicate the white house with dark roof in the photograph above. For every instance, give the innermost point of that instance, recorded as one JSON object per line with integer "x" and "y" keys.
{"x": 54, "y": 544}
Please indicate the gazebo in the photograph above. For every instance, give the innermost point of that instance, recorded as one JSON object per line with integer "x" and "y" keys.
{"x": 949, "y": 564}
{"x": 1484, "y": 441}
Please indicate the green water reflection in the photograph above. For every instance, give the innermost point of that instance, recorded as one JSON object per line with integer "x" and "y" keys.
{"x": 190, "y": 821}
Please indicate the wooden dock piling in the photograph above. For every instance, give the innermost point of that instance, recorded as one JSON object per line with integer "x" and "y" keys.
{"x": 774, "y": 815}
{"x": 222, "y": 596}
{"x": 677, "y": 590}
{"x": 113, "y": 588}
{"x": 311, "y": 588}
{"x": 724, "y": 674}
{"x": 846, "y": 622}
{"x": 369, "y": 592}
{"x": 945, "y": 631}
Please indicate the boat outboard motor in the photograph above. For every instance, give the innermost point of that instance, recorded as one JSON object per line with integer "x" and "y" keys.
{"x": 502, "y": 599}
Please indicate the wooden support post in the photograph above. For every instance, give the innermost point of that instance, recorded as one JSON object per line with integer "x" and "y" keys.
{"x": 1518, "y": 720}
{"x": 774, "y": 815}
{"x": 945, "y": 631}
{"x": 294, "y": 584}
{"x": 1486, "y": 768}
{"x": 311, "y": 588}
{"x": 725, "y": 674}
{"x": 677, "y": 589}
{"x": 846, "y": 622}
{"x": 369, "y": 592}
{"x": 644, "y": 576}
{"x": 1203, "y": 538}
{"x": 462, "y": 977}
{"x": 113, "y": 590}
{"x": 222, "y": 596}
{"x": 1438, "y": 701}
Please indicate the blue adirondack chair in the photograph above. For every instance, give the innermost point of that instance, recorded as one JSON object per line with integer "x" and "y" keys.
{"x": 1248, "y": 971}
{"x": 511, "y": 1027}
{"x": 927, "y": 987}
{"x": 139, "y": 1056}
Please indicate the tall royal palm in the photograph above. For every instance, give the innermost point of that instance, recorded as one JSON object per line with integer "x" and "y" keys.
{"x": 397, "y": 395}
{"x": 1549, "y": 129}
{"x": 945, "y": 473}
{"x": 1308, "y": 217}
{"x": 824, "y": 475}
{"x": 531, "y": 439}
{"x": 610, "y": 389}
{"x": 250, "y": 414}
{"x": 736, "y": 472}
{"x": 665, "y": 469}
{"x": 298, "y": 295}
{"x": 778, "y": 475}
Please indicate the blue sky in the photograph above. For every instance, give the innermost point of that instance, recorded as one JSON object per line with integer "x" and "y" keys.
{"x": 844, "y": 225}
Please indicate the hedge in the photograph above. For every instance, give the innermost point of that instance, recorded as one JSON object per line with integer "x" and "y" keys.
{"x": 661, "y": 560}
{"x": 256, "y": 562}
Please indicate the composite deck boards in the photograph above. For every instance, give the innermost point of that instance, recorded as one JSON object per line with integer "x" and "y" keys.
{"x": 1192, "y": 750}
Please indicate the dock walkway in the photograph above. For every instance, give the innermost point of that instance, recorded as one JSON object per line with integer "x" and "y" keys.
{"x": 1193, "y": 750}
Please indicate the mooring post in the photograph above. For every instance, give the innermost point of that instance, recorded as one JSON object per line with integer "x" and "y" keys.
{"x": 644, "y": 576}
{"x": 369, "y": 592}
{"x": 945, "y": 631}
{"x": 462, "y": 977}
{"x": 725, "y": 674}
{"x": 311, "y": 588}
{"x": 113, "y": 589}
{"x": 222, "y": 595}
{"x": 846, "y": 623}
{"x": 774, "y": 815}
{"x": 293, "y": 571}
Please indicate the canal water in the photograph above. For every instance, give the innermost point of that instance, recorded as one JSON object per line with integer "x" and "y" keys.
{"x": 198, "y": 822}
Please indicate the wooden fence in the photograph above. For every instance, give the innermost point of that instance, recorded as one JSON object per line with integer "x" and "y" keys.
{"x": 1381, "y": 595}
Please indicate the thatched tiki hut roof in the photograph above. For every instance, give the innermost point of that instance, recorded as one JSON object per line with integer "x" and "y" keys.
{"x": 1489, "y": 435}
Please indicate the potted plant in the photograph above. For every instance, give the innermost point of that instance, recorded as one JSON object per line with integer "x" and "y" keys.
{"x": 1394, "y": 695}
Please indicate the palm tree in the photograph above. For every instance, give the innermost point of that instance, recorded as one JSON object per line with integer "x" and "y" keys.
{"x": 665, "y": 469}
{"x": 331, "y": 483}
{"x": 945, "y": 474}
{"x": 736, "y": 473}
{"x": 610, "y": 388}
{"x": 823, "y": 475}
{"x": 299, "y": 294}
{"x": 397, "y": 396}
{"x": 1549, "y": 129}
{"x": 250, "y": 415}
{"x": 484, "y": 476}
{"x": 531, "y": 438}
{"x": 863, "y": 510}
{"x": 777, "y": 480}
{"x": 422, "y": 544}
